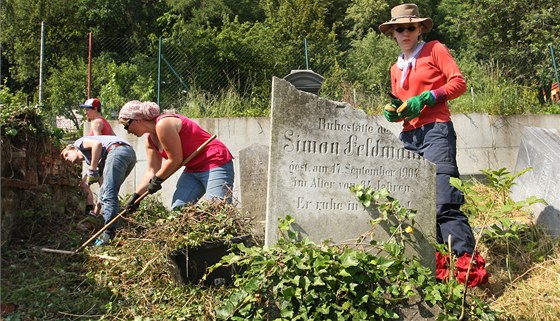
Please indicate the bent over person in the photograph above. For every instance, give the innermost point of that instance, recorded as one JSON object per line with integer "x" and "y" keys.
{"x": 98, "y": 126}
{"x": 424, "y": 78}
{"x": 171, "y": 139}
{"x": 109, "y": 157}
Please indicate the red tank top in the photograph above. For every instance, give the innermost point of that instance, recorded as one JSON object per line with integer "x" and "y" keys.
{"x": 192, "y": 136}
{"x": 107, "y": 129}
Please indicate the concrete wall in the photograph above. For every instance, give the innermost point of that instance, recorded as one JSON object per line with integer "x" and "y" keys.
{"x": 483, "y": 141}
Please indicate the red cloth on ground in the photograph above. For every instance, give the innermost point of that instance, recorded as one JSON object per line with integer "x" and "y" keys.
{"x": 477, "y": 275}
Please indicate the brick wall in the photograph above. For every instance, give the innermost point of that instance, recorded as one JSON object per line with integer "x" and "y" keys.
{"x": 38, "y": 187}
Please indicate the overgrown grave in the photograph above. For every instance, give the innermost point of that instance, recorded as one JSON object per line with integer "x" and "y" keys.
{"x": 40, "y": 192}
{"x": 319, "y": 149}
{"x": 187, "y": 242}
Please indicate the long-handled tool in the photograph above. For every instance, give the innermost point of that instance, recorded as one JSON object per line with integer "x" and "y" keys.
{"x": 138, "y": 200}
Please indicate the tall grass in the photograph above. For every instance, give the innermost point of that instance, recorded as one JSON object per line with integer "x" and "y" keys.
{"x": 489, "y": 90}
{"x": 225, "y": 103}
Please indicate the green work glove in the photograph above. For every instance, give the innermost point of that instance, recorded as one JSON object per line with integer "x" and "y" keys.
{"x": 390, "y": 110}
{"x": 155, "y": 184}
{"x": 390, "y": 113}
{"x": 395, "y": 102}
{"x": 415, "y": 104}
{"x": 131, "y": 205}
{"x": 92, "y": 176}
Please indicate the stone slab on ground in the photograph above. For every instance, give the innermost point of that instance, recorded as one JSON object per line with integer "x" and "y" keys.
{"x": 540, "y": 150}
{"x": 253, "y": 171}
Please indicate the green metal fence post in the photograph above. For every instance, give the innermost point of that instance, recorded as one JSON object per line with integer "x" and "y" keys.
{"x": 159, "y": 70}
{"x": 554, "y": 63}
{"x": 306, "y": 57}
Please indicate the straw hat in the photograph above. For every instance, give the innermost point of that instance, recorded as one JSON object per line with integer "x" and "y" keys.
{"x": 405, "y": 13}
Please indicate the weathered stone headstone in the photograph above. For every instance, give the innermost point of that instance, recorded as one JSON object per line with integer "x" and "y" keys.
{"x": 318, "y": 150}
{"x": 540, "y": 150}
{"x": 253, "y": 171}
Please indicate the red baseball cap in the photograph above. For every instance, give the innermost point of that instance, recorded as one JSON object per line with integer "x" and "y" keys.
{"x": 91, "y": 103}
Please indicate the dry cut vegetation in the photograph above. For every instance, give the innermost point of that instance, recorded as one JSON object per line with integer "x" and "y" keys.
{"x": 134, "y": 279}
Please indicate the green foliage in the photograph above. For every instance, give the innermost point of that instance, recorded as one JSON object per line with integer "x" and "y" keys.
{"x": 199, "y": 13}
{"x": 223, "y": 45}
{"x": 297, "y": 279}
{"x": 502, "y": 180}
{"x": 203, "y": 223}
{"x": 228, "y": 103}
{"x": 118, "y": 83}
{"x": 490, "y": 91}
{"x": 130, "y": 281}
{"x": 64, "y": 93}
{"x": 450, "y": 297}
{"x": 516, "y": 33}
{"x": 18, "y": 122}
{"x": 499, "y": 209}
{"x": 369, "y": 62}
{"x": 114, "y": 84}
{"x": 9, "y": 98}
{"x": 364, "y": 15}
{"x": 244, "y": 56}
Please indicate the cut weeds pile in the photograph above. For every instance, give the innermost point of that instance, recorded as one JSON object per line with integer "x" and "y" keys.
{"x": 129, "y": 278}
{"x": 134, "y": 281}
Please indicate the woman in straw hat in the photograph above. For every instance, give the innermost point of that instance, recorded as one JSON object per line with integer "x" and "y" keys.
{"x": 174, "y": 137}
{"x": 425, "y": 77}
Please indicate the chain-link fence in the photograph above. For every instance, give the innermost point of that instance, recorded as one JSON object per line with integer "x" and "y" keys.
{"x": 168, "y": 71}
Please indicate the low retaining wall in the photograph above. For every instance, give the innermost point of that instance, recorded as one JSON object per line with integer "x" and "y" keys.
{"x": 483, "y": 141}
{"x": 37, "y": 187}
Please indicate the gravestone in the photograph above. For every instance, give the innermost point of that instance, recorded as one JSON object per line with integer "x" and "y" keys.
{"x": 318, "y": 150}
{"x": 253, "y": 170}
{"x": 540, "y": 150}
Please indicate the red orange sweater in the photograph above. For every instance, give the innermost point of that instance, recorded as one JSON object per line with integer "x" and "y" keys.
{"x": 436, "y": 70}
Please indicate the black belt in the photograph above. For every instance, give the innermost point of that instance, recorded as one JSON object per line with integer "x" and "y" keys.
{"x": 113, "y": 146}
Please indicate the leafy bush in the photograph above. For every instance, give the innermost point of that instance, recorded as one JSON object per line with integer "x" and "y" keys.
{"x": 506, "y": 231}
{"x": 17, "y": 122}
{"x": 9, "y": 98}
{"x": 113, "y": 83}
{"x": 490, "y": 91}
{"x": 297, "y": 279}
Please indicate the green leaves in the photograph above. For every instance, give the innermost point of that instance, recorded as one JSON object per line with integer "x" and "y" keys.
{"x": 304, "y": 281}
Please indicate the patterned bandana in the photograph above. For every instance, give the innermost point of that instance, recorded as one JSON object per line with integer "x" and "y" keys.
{"x": 405, "y": 65}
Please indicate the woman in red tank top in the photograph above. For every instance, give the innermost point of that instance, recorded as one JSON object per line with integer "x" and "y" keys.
{"x": 171, "y": 139}
{"x": 99, "y": 125}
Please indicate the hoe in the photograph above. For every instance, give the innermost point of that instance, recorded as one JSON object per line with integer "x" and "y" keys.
{"x": 112, "y": 221}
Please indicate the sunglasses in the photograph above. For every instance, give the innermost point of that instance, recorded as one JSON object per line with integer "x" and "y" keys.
{"x": 409, "y": 28}
{"x": 127, "y": 124}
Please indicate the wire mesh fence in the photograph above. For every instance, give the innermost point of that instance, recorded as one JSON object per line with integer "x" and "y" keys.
{"x": 168, "y": 72}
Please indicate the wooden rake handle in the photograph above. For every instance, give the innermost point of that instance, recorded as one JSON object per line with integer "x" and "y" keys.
{"x": 139, "y": 199}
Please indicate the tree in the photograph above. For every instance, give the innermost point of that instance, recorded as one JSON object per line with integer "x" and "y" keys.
{"x": 67, "y": 26}
{"x": 516, "y": 33}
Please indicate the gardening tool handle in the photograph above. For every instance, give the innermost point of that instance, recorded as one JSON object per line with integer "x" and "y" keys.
{"x": 139, "y": 199}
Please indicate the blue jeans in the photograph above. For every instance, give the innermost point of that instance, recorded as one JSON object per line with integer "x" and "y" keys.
{"x": 191, "y": 187}
{"x": 119, "y": 163}
{"x": 437, "y": 142}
